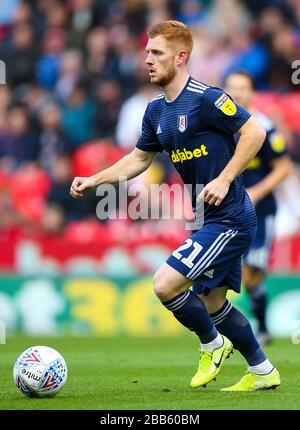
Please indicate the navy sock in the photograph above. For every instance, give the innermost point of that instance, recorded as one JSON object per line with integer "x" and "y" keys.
{"x": 232, "y": 323}
{"x": 258, "y": 303}
{"x": 191, "y": 312}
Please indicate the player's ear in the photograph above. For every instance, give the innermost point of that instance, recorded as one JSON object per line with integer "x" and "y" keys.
{"x": 181, "y": 57}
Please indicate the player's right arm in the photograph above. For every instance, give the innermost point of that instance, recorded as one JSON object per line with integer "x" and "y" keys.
{"x": 128, "y": 167}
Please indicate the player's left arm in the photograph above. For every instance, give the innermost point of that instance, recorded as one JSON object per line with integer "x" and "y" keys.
{"x": 252, "y": 136}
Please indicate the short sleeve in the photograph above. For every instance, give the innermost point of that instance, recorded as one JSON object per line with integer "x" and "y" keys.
{"x": 219, "y": 111}
{"x": 148, "y": 140}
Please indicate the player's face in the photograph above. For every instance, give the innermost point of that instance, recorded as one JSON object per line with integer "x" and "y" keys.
{"x": 161, "y": 61}
{"x": 240, "y": 89}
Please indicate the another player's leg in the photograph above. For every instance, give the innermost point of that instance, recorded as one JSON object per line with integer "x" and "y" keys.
{"x": 229, "y": 321}
{"x": 172, "y": 289}
{"x": 255, "y": 263}
{"x": 253, "y": 281}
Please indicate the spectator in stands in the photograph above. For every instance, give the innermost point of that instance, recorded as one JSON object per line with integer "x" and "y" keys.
{"x": 5, "y": 102}
{"x": 47, "y": 67}
{"x": 191, "y": 12}
{"x": 210, "y": 49}
{"x": 70, "y": 72}
{"x": 130, "y": 120}
{"x": 251, "y": 56}
{"x": 52, "y": 142}
{"x": 82, "y": 18}
{"x": 284, "y": 51}
{"x": 53, "y": 13}
{"x": 108, "y": 100}
{"x": 102, "y": 61}
{"x": 21, "y": 55}
{"x": 8, "y": 9}
{"x": 78, "y": 116}
{"x": 61, "y": 178}
{"x": 53, "y": 220}
{"x": 126, "y": 48}
{"x": 20, "y": 143}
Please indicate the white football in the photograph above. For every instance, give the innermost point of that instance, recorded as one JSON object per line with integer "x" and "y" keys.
{"x": 40, "y": 371}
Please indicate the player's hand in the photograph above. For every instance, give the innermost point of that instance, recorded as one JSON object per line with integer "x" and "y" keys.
{"x": 214, "y": 192}
{"x": 80, "y": 186}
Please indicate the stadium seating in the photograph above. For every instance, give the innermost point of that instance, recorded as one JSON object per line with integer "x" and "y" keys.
{"x": 94, "y": 156}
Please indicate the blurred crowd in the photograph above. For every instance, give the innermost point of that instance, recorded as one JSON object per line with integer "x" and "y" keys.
{"x": 77, "y": 87}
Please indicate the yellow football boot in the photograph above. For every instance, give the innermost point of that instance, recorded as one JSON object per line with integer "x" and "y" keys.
{"x": 210, "y": 364}
{"x": 252, "y": 382}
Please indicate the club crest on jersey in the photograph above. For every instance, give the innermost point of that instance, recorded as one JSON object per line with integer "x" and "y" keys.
{"x": 226, "y": 105}
{"x": 182, "y": 123}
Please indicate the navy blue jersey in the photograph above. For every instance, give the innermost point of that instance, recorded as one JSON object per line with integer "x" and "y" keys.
{"x": 197, "y": 132}
{"x": 258, "y": 168}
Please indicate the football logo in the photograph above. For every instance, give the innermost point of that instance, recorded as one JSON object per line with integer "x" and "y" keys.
{"x": 226, "y": 105}
{"x": 182, "y": 123}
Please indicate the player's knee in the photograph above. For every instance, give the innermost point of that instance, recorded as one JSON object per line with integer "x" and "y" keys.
{"x": 161, "y": 286}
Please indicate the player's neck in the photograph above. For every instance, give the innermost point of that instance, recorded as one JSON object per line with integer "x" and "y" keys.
{"x": 174, "y": 88}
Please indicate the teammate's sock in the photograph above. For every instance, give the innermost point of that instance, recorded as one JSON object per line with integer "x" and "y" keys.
{"x": 234, "y": 325}
{"x": 258, "y": 303}
{"x": 191, "y": 312}
{"x": 262, "y": 369}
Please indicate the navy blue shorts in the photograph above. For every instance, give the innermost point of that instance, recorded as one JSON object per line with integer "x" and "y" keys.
{"x": 258, "y": 254}
{"x": 212, "y": 257}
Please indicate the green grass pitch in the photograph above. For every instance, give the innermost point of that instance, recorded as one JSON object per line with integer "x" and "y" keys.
{"x": 147, "y": 373}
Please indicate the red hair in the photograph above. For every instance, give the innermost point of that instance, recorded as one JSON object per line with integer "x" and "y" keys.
{"x": 175, "y": 32}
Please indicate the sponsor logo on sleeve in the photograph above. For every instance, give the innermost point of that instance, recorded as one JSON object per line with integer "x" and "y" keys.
{"x": 226, "y": 105}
